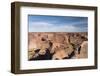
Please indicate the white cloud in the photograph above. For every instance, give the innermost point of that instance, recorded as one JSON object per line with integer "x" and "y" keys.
{"x": 50, "y": 27}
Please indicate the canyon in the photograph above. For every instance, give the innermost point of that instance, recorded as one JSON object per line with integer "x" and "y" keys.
{"x": 57, "y": 45}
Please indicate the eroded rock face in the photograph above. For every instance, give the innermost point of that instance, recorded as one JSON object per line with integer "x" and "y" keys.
{"x": 63, "y": 52}
{"x": 83, "y": 51}
{"x": 56, "y": 45}
{"x": 59, "y": 54}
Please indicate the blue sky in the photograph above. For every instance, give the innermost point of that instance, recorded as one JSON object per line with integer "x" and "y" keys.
{"x": 42, "y": 23}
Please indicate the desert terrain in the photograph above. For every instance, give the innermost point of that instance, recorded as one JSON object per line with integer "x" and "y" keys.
{"x": 57, "y": 45}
